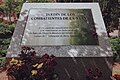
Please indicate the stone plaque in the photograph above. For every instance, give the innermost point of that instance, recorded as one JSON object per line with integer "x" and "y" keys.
{"x": 65, "y": 30}
{"x": 60, "y": 27}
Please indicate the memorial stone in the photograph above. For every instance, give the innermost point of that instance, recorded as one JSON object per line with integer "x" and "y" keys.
{"x": 73, "y": 32}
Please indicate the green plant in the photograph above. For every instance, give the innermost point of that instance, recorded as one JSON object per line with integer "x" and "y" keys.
{"x": 6, "y": 31}
{"x": 115, "y": 43}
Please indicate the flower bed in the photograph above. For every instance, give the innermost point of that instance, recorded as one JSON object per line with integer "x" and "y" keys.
{"x": 30, "y": 67}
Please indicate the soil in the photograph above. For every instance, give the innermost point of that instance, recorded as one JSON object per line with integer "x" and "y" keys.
{"x": 3, "y": 76}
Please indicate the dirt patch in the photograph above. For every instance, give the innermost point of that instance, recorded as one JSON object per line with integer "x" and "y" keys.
{"x": 3, "y": 76}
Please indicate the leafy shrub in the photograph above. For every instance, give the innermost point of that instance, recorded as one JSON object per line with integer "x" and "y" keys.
{"x": 6, "y": 31}
{"x": 115, "y": 43}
